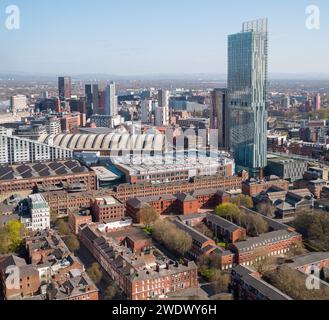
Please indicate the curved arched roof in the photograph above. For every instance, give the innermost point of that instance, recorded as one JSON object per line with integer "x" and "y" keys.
{"x": 106, "y": 142}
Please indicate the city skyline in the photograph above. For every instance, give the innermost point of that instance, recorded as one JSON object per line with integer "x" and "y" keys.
{"x": 110, "y": 38}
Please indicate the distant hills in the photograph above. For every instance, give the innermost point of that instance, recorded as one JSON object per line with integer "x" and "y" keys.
{"x": 28, "y": 76}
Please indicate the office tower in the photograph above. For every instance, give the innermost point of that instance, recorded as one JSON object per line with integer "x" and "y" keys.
{"x": 286, "y": 102}
{"x": 162, "y": 111}
{"x": 247, "y": 85}
{"x": 219, "y": 116}
{"x": 317, "y": 102}
{"x": 161, "y": 116}
{"x": 89, "y": 100}
{"x": 163, "y": 98}
{"x": 96, "y": 99}
{"x": 111, "y": 100}
{"x": 146, "y": 111}
{"x": 102, "y": 103}
{"x": 18, "y": 103}
{"x": 64, "y": 88}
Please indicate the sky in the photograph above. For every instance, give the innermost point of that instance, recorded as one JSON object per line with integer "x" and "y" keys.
{"x": 130, "y": 37}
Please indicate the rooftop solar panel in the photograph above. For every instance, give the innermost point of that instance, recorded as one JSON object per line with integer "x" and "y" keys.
{"x": 61, "y": 171}
{"x": 71, "y": 164}
{"x": 27, "y": 175}
{"x": 78, "y": 169}
{"x": 55, "y": 165}
{"x": 40, "y": 167}
{"x": 44, "y": 173}
{"x": 23, "y": 168}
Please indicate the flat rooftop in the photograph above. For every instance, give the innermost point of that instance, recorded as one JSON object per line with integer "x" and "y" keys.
{"x": 147, "y": 165}
{"x": 104, "y": 174}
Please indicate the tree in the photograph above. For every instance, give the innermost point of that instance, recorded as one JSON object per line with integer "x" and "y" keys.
{"x": 315, "y": 229}
{"x": 220, "y": 282}
{"x": 72, "y": 242}
{"x": 4, "y": 241}
{"x": 202, "y": 228}
{"x": 298, "y": 250}
{"x": 172, "y": 237}
{"x": 229, "y": 211}
{"x": 262, "y": 262}
{"x": 63, "y": 227}
{"x": 243, "y": 201}
{"x": 11, "y": 237}
{"x": 95, "y": 273}
{"x": 148, "y": 216}
{"x": 15, "y": 231}
{"x": 111, "y": 292}
{"x": 266, "y": 209}
{"x": 292, "y": 283}
{"x": 255, "y": 225}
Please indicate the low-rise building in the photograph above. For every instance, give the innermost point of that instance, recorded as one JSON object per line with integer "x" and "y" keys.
{"x": 224, "y": 229}
{"x": 310, "y": 262}
{"x": 254, "y": 187}
{"x": 107, "y": 209}
{"x": 26, "y": 283}
{"x": 140, "y": 276}
{"x": 275, "y": 243}
{"x": 247, "y": 284}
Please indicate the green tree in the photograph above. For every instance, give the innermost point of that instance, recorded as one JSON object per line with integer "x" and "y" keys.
{"x": 95, "y": 273}
{"x": 228, "y": 211}
{"x": 11, "y": 237}
{"x": 148, "y": 216}
{"x": 16, "y": 232}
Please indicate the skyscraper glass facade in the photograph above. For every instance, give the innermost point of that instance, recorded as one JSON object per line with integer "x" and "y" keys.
{"x": 247, "y": 85}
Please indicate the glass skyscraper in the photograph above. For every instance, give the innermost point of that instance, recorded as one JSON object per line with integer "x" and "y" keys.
{"x": 247, "y": 86}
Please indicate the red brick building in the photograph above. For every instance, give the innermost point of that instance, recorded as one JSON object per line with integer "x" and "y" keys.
{"x": 47, "y": 176}
{"x": 275, "y": 243}
{"x": 107, "y": 209}
{"x": 143, "y": 276}
{"x": 224, "y": 229}
{"x": 76, "y": 219}
{"x": 28, "y": 282}
{"x": 254, "y": 187}
{"x": 179, "y": 204}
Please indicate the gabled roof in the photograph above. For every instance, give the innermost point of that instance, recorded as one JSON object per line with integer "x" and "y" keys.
{"x": 12, "y": 260}
{"x": 183, "y": 197}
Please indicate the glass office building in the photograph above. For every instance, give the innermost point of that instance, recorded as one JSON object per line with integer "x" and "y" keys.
{"x": 247, "y": 85}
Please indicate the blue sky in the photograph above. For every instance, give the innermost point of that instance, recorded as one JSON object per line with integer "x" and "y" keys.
{"x": 129, "y": 37}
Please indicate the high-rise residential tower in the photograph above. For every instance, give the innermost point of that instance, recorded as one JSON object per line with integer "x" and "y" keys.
{"x": 96, "y": 99}
{"x": 64, "y": 88}
{"x": 89, "y": 99}
{"x": 111, "y": 100}
{"x": 219, "y": 116}
{"x": 317, "y": 102}
{"x": 247, "y": 85}
{"x": 162, "y": 111}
